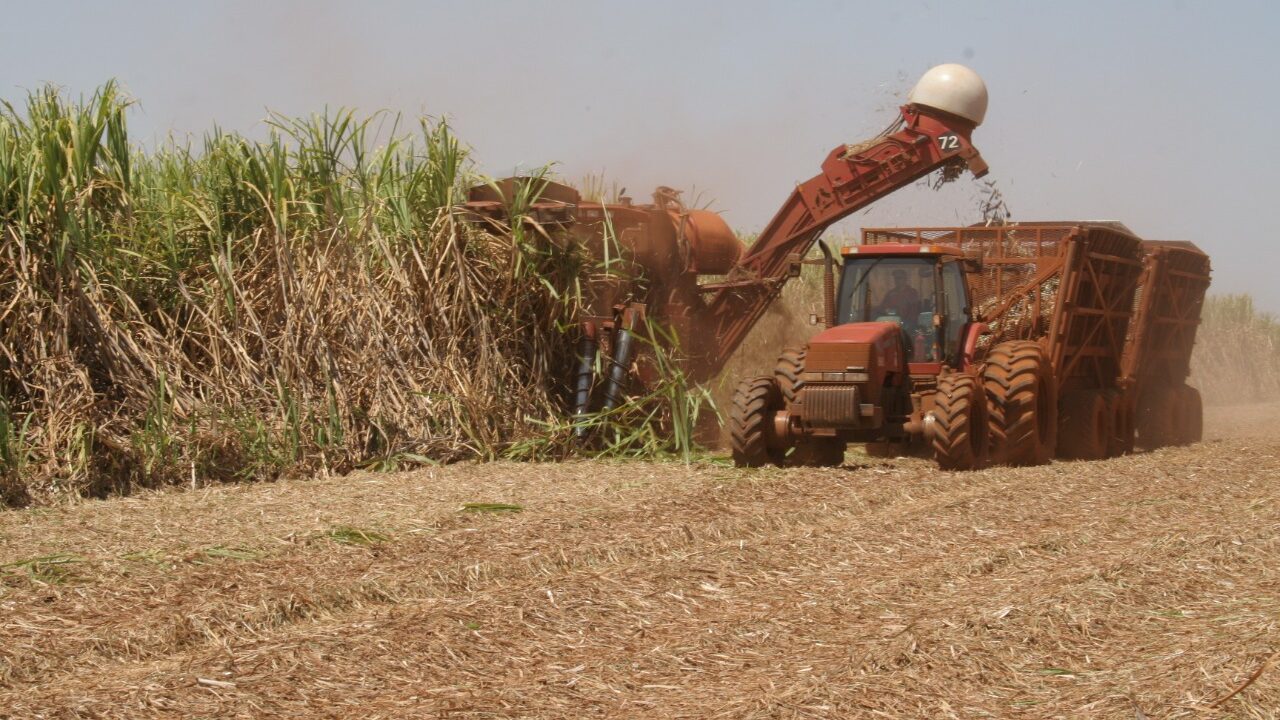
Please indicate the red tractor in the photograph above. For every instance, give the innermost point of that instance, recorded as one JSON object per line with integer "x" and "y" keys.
{"x": 897, "y": 360}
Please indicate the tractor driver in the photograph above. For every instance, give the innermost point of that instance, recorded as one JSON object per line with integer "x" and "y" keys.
{"x": 901, "y": 300}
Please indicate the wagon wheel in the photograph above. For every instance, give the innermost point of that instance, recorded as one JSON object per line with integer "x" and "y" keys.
{"x": 755, "y": 403}
{"x": 959, "y": 432}
{"x": 1190, "y": 421}
{"x": 1022, "y": 400}
{"x": 1121, "y": 424}
{"x": 1157, "y": 426}
{"x": 1085, "y": 429}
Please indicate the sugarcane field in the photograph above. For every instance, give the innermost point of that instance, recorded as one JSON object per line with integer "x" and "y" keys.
{"x": 676, "y": 361}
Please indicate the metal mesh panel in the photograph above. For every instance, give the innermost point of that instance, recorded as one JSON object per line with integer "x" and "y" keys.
{"x": 1012, "y": 254}
{"x": 1191, "y": 262}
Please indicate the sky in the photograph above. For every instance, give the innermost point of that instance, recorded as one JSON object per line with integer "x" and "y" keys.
{"x": 1161, "y": 115}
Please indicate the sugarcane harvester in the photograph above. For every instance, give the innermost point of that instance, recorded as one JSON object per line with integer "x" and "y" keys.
{"x": 694, "y": 277}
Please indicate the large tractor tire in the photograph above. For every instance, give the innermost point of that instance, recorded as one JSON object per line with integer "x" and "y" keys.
{"x": 1190, "y": 419}
{"x": 787, "y": 372}
{"x": 1022, "y": 402}
{"x": 1122, "y": 428}
{"x": 1085, "y": 425}
{"x": 755, "y": 403}
{"x": 958, "y": 434}
{"x": 1157, "y": 422}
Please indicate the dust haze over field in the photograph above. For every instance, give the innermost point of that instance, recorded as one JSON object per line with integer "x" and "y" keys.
{"x": 1097, "y": 111}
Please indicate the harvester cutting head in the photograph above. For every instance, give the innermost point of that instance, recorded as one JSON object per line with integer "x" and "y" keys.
{"x": 953, "y": 89}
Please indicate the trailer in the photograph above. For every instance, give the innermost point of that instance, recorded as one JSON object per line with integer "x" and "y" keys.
{"x": 1157, "y": 359}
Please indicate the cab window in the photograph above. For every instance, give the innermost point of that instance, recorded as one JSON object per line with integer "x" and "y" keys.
{"x": 904, "y": 290}
{"x": 887, "y": 289}
{"x": 957, "y": 309}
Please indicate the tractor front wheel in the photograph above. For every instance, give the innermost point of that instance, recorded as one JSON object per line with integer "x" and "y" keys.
{"x": 959, "y": 430}
{"x": 787, "y": 372}
{"x": 755, "y": 403}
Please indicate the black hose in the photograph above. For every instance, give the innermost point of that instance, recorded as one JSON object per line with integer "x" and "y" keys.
{"x": 619, "y": 368}
{"x": 586, "y": 376}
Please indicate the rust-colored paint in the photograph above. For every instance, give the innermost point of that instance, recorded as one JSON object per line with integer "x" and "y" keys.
{"x": 713, "y": 248}
{"x": 852, "y": 177}
{"x": 1175, "y": 278}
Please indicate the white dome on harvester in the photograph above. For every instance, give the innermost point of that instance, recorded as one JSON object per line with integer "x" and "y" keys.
{"x": 952, "y": 89}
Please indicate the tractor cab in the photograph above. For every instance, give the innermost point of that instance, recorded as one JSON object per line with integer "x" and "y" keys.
{"x": 919, "y": 288}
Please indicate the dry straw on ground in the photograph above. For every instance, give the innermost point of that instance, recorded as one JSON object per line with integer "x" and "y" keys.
{"x": 1137, "y": 587}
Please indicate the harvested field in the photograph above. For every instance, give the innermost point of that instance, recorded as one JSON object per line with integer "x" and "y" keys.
{"x": 1147, "y": 586}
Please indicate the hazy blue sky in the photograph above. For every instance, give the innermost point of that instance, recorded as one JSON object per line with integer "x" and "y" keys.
{"x": 1161, "y": 115}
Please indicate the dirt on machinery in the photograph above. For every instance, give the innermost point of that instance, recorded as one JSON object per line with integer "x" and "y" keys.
{"x": 1141, "y": 586}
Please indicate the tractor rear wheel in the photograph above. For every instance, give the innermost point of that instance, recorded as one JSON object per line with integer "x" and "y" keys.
{"x": 1084, "y": 425}
{"x": 755, "y": 403}
{"x": 1157, "y": 421}
{"x": 958, "y": 433}
{"x": 1190, "y": 420}
{"x": 1022, "y": 400}
{"x": 787, "y": 372}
